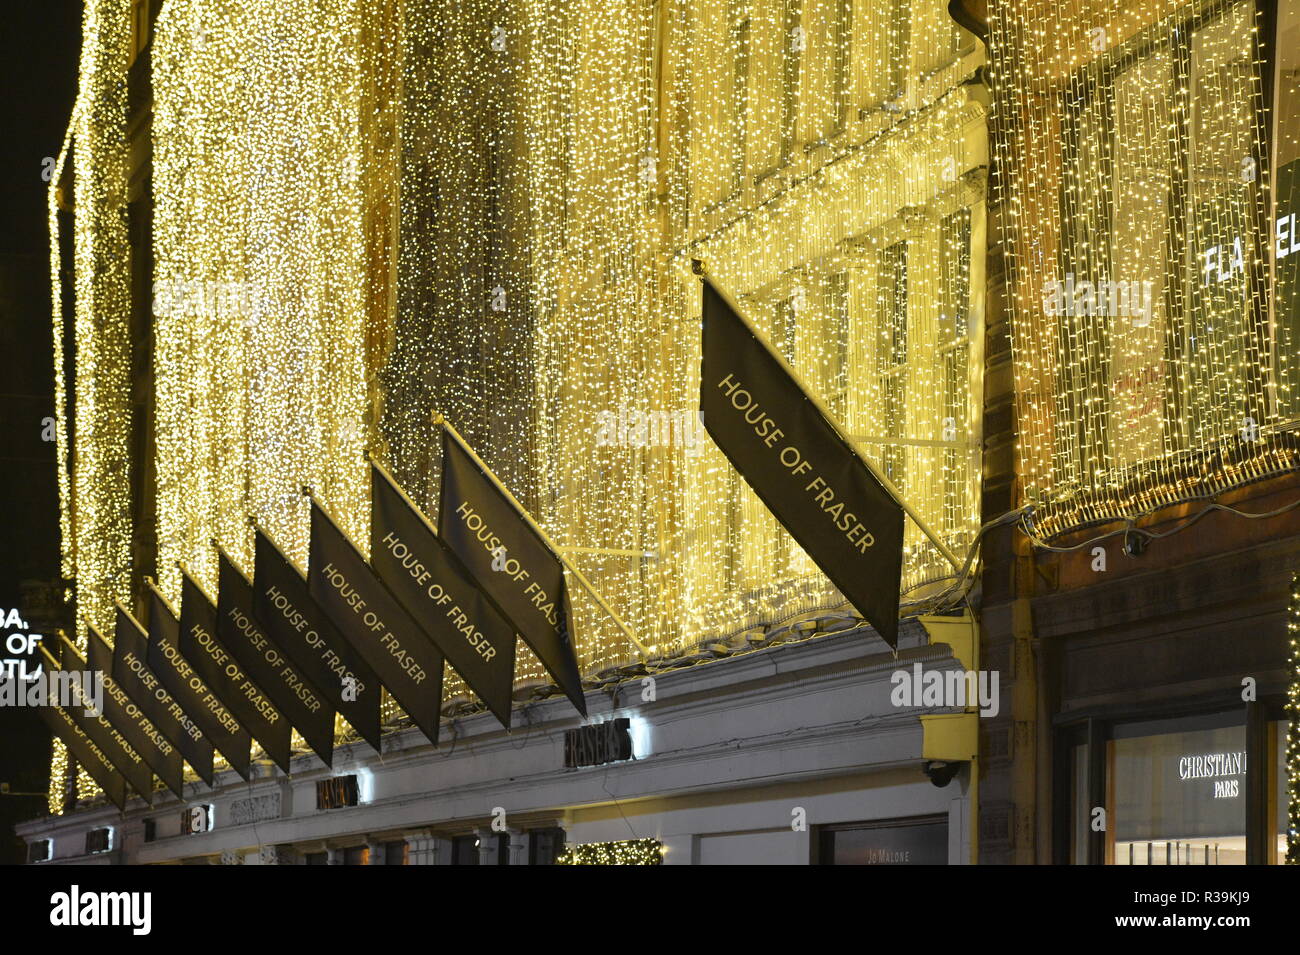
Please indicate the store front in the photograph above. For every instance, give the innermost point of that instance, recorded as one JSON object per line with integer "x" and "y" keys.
{"x": 1166, "y": 718}
{"x": 1188, "y": 789}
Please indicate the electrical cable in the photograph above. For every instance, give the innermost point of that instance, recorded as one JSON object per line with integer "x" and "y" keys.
{"x": 1130, "y": 525}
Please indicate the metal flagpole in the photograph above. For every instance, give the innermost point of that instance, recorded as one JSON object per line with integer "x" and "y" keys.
{"x": 438, "y": 419}
{"x": 700, "y": 270}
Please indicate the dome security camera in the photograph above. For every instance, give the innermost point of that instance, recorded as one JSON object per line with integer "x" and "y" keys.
{"x": 941, "y": 773}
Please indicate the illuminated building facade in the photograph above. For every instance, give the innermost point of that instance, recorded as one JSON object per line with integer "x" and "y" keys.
{"x": 1051, "y": 294}
{"x": 1143, "y": 356}
{"x": 298, "y": 232}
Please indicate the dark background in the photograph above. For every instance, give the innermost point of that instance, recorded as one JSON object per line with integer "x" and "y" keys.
{"x": 39, "y": 47}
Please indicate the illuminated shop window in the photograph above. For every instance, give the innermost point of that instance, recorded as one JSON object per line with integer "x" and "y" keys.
{"x": 1174, "y": 792}
{"x": 1177, "y": 796}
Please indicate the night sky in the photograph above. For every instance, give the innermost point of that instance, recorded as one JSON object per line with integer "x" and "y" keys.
{"x": 39, "y": 60}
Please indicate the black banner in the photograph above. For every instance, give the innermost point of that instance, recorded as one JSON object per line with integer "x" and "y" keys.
{"x": 303, "y": 705}
{"x": 112, "y": 744}
{"x": 371, "y": 620}
{"x": 132, "y": 672}
{"x": 473, "y": 633}
{"x": 130, "y": 717}
{"x": 527, "y": 582}
{"x": 204, "y": 650}
{"x": 800, "y": 467}
{"x": 188, "y": 688}
{"x": 87, "y": 754}
{"x": 285, "y": 608}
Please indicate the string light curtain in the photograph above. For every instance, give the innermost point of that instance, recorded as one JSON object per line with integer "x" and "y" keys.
{"x": 841, "y": 198}
{"x": 274, "y": 184}
{"x": 266, "y": 313}
{"x": 1131, "y": 145}
{"x": 364, "y": 214}
{"x": 562, "y": 164}
{"x": 95, "y": 402}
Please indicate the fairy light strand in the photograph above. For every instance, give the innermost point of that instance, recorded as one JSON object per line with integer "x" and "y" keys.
{"x": 487, "y": 209}
{"x": 1131, "y": 141}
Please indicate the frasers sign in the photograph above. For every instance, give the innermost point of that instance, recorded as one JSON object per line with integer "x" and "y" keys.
{"x": 19, "y": 648}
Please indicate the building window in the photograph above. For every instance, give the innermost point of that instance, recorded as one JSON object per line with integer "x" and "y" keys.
{"x": 1174, "y": 791}
{"x": 1178, "y": 793}
{"x": 196, "y": 820}
{"x": 824, "y": 84}
{"x": 139, "y": 27}
{"x": 397, "y": 853}
{"x": 356, "y": 855}
{"x": 316, "y": 858}
{"x": 719, "y": 150}
{"x": 837, "y": 390}
{"x": 39, "y": 851}
{"x": 99, "y": 840}
{"x": 545, "y": 846}
{"x": 464, "y": 850}
{"x": 1156, "y": 299}
{"x": 913, "y": 841}
{"x": 891, "y": 352}
{"x": 337, "y": 792}
{"x": 898, "y": 46}
{"x": 954, "y": 350}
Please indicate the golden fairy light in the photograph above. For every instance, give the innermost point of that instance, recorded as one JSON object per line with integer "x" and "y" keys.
{"x": 1131, "y": 138}
{"x": 366, "y": 214}
{"x": 564, "y": 162}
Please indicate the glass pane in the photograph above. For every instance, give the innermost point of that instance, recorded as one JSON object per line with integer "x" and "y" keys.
{"x": 1132, "y": 294}
{"x": 1219, "y": 283}
{"x": 921, "y": 843}
{"x": 1080, "y": 811}
{"x": 1285, "y": 238}
{"x": 1178, "y": 797}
